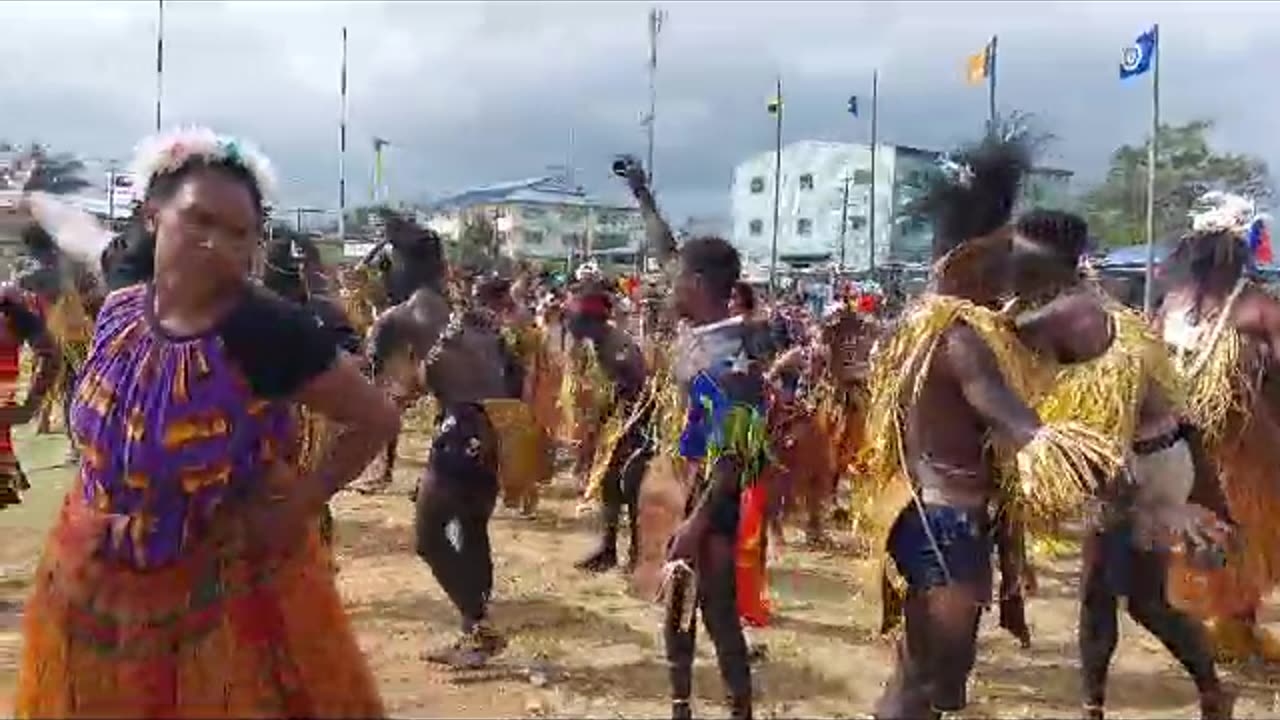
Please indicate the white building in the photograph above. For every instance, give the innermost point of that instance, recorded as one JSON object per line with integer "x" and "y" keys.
{"x": 544, "y": 217}
{"x": 812, "y": 208}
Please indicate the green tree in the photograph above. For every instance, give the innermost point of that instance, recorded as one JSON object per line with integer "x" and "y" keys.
{"x": 1186, "y": 168}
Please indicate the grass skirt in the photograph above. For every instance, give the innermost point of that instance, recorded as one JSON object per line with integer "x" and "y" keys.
{"x": 524, "y": 451}
{"x": 216, "y": 635}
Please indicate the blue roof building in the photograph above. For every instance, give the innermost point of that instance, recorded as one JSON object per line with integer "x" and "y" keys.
{"x": 543, "y": 217}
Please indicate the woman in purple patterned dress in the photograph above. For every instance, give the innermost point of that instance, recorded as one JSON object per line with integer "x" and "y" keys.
{"x": 184, "y": 576}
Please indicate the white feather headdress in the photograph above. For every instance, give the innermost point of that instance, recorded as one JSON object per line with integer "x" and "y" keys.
{"x": 1221, "y": 211}
{"x": 164, "y": 153}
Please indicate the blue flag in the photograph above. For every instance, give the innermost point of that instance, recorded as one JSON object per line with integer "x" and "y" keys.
{"x": 1137, "y": 58}
{"x": 853, "y": 105}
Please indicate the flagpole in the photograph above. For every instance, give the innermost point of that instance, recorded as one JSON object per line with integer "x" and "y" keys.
{"x": 656, "y": 17}
{"x": 342, "y": 143}
{"x": 159, "y": 65}
{"x": 991, "y": 87}
{"x": 1149, "y": 294}
{"x": 875, "y": 141}
{"x": 777, "y": 195}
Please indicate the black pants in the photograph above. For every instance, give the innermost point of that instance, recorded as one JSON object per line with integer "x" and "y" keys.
{"x": 620, "y": 486}
{"x": 1148, "y": 604}
{"x": 717, "y": 603}
{"x": 456, "y": 498}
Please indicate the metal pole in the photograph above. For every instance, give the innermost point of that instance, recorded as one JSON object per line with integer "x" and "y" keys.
{"x": 342, "y": 143}
{"x": 111, "y": 195}
{"x": 777, "y": 195}
{"x": 159, "y": 65}
{"x": 1149, "y": 294}
{"x": 875, "y": 142}
{"x": 991, "y": 87}
{"x": 655, "y": 26}
{"x": 844, "y": 220}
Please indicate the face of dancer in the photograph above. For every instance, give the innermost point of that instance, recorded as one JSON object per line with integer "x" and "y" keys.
{"x": 207, "y": 230}
{"x": 1035, "y": 268}
{"x": 691, "y": 296}
{"x": 1210, "y": 261}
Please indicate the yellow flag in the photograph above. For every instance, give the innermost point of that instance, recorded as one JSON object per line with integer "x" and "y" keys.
{"x": 979, "y": 65}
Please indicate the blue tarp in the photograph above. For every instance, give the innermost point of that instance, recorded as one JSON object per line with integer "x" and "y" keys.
{"x": 1132, "y": 256}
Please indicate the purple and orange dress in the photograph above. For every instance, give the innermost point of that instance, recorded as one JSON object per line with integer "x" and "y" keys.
{"x": 148, "y": 601}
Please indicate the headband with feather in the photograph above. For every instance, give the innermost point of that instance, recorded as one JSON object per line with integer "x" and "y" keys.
{"x": 165, "y": 153}
{"x": 83, "y": 237}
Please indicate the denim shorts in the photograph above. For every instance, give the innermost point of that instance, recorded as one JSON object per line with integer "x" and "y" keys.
{"x": 963, "y": 546}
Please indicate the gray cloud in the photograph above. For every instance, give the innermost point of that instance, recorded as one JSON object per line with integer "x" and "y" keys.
{"x": 474, "y": 93}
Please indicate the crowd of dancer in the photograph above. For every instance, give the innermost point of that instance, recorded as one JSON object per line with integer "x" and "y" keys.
{"x": 219, "y": 389}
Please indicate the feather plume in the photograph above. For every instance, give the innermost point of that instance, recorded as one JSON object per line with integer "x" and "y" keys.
{"x": 975, "y": 190}
{"x": 74, "y": 231}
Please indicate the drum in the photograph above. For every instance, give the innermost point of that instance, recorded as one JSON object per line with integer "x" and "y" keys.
{"x": 664, "y": 491}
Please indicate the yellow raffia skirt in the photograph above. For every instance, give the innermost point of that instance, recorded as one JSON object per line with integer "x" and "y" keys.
{"x": 524, "y": 451}
{"x": 217, "y": 635}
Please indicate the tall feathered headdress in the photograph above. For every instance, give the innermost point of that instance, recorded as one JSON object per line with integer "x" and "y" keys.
{"x": 974, "y": 191}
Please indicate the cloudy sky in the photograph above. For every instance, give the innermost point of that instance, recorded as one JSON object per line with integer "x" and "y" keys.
{"x": 471, "y": 93}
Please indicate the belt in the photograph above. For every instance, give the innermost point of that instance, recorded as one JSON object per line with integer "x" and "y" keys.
{"x": 1159, "y": 443}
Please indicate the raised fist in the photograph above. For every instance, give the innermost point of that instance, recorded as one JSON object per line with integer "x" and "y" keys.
{"x": 629, "y": 168}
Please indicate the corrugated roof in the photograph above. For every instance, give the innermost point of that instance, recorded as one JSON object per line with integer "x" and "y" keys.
{"x": 542, "y": 190}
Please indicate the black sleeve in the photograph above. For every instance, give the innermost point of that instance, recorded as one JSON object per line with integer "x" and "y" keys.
{"x": 333, "y": 319}
{"x": 279, "y": 346}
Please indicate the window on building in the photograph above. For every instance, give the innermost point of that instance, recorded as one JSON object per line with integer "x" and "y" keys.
{"x": 861, "y": 177}
{"x": 857, "y": 222}
{"x": 610, "y": 241}
{"x": 806, "y": 181}
{"x": 757, "y": 185}
{"x": 804, "y": 227}
{"x": 533, "y": 237}
{"x": 530, "y": 213}
{"x": 756, "y": 227}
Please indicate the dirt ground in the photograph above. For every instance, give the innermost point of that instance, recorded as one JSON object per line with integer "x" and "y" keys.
{"x": 581, "y": 647}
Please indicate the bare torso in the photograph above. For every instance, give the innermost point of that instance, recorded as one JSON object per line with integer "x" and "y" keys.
{"x": 946, "y": 435}
{"x": 468, "y": 367}
{"x": 622, "y": 362}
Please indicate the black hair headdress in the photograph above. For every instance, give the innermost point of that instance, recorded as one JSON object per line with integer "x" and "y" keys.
{"x": 974, "y": 190}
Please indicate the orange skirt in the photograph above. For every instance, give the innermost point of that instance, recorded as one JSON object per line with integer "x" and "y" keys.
{"x": 1246, "y": 460}
{"x": 216, "y": 635}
